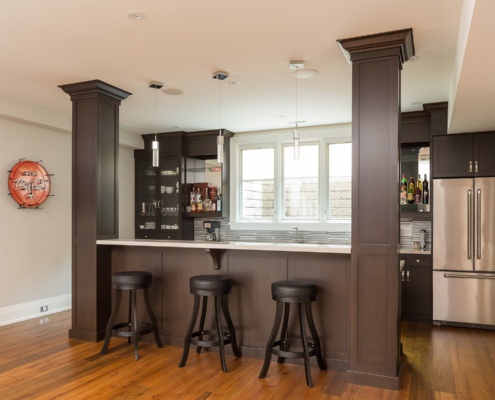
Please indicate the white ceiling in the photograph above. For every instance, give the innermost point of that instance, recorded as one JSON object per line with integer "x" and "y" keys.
{"x": 182, "y": 42}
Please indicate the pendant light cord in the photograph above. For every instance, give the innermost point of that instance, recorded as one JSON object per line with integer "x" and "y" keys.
{"x": 295, "y": 74}
{"x": 155, "y": 114}
{"x": 220, "y": 83}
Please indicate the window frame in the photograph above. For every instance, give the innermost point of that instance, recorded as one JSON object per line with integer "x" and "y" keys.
{"x": 278, "y": 140}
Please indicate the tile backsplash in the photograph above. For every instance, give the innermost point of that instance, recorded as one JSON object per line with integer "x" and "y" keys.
{"x": 288, "y": 236}
{"x": 410, "y": 232}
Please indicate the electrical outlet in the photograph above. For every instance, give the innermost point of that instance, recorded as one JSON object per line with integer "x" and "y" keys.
{"x": 43, "y": 308}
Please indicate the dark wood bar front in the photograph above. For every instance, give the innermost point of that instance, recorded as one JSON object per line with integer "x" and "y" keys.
{"x": 250, "y": 303}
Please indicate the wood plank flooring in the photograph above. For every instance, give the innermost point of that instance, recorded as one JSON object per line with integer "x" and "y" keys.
{"x": 39, "y": 361}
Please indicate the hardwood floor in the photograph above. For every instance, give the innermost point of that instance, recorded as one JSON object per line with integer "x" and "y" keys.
{"x": 39, "y": 361}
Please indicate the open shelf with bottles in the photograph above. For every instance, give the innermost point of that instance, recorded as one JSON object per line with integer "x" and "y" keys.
{"x": 415, "y": 169}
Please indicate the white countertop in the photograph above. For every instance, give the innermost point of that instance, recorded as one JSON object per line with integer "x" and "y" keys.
{"x": 295, "y": 247}
{"x": 412, "y": 251}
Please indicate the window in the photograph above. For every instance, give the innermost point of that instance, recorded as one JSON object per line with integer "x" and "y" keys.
{"x": 301, "y": 183}
{"x": 339, "y": 180}
{"x": 270, "y": 190}
{"x": 257, "y": 185}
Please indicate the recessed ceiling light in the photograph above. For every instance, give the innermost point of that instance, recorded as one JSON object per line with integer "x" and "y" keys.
{"x": 136, "y": 15}
{"x": 416, "y": 103}
{"x": 296, "y": 122}
{"x": 234, "y": 83}
{"x": 172, "y": 91}
{"x": 414, "y": 58}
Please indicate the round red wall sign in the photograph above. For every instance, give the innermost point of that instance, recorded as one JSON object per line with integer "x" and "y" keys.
{"x": 29, "y": 184}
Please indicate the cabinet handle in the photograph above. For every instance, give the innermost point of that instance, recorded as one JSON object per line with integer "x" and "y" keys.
{"x": 403, "y": 278}
{"x": 476, "y": 166}
{"x": 417, "y": 260}
{"x": 470, "y": 166}
{"x": 407, "y": 276}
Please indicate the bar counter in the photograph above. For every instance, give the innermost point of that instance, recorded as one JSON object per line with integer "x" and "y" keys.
{"x": 252, "y": 267}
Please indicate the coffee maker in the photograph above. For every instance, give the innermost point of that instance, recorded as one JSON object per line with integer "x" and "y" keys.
{"x": 212, "y": 230}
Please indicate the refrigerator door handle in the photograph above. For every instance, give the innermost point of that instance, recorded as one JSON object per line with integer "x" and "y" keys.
{"x": 478, "y": 224}
{"x": 469, "y": 224}
{"x": 470, "y": 276}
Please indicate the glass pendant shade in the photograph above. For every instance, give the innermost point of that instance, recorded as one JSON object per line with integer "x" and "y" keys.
{"x": 296, "y": 137}
{"x": 156, "y": 153}
{"x": 220, "y": 147}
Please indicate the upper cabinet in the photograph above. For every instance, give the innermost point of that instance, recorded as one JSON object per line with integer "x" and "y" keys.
{"x": 204, "y": 175}
{"x": 158, "y": 200}
{"x": 464, "y": 155}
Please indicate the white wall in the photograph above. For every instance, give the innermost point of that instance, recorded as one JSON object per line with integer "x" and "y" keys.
{"x": 35, "y": 244}
{"x": 35, "y": 263}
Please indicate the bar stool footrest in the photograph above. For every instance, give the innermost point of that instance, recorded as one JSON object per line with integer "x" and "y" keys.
{"x": 226, "y": 338}
{"x": 143, "y": 329}
{"x": 292, "y": 354}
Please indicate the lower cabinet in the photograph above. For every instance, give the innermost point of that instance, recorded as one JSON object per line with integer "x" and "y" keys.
{"x": 417, "y": 288}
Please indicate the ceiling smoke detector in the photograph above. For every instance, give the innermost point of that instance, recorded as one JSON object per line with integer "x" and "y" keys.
{"x": 220, "y": 75}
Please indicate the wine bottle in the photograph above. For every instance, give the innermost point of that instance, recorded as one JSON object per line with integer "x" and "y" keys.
{"x": 403, "y": 190}
{"x": 426, "y": 193}
{"x": 411, "y": 190}
{"x": 213, "y": 197}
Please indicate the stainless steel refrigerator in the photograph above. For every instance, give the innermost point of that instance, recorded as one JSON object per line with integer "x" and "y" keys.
{"x": 464, "y": 251}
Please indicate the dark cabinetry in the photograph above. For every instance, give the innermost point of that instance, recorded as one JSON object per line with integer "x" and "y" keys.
{"x": 464, "y": 155}
{"x": 158, "y": 201}
{"x": 201, "y": 152}
{"x": 416, "y": 288}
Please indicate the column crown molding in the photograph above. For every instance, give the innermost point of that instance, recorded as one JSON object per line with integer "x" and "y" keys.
{"x": 400, "y": 42}
{"x": 94, "y": 86}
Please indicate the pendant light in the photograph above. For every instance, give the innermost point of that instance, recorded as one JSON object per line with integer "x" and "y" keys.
{"x": 155, "y": 148}
{"x": 300, "y": 73}
{"x": 220, "y": 76}
{"x": 295, "y": 132}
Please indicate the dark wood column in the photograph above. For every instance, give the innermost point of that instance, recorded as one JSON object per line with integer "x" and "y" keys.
{"x": 375, "y": 320}
{"x": 95, "y": 145}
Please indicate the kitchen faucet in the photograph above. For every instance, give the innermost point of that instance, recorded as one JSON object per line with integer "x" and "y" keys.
{"x": 297, "y": 235}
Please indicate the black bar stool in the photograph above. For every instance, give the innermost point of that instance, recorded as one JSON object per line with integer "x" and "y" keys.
{"x": 302, "y": 293}
{"x": 204, "y": 286}
{"x": 132, "y": 281}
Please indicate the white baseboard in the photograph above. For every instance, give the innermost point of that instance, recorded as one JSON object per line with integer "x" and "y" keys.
{"x": 22, "y": 312}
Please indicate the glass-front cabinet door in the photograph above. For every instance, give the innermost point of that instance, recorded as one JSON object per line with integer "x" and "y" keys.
{"x": 168, "y": 192}
{"x": 415, "y": 190}
{"x": 158, "y": 207}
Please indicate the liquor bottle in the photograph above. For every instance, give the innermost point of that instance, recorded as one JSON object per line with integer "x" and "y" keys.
{"x": 213, "y": 197}
{"x": 206, "y": 202}
{"x": 219, "y": 199}
{"x": 426, "y": 193}
{"x": 411, "y": 190}
{"x": 418, "y": 195}
{"x": 419, "y": 183}
{"x": 403, "y": 190}
{"x": 193, "y": 201}
{"x": 199, "y": 201}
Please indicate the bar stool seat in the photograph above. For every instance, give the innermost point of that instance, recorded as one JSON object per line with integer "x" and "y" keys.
{"x": 132, "y": 328}
{"x": 202, "y": 287}
{"x": 302, "y": 293}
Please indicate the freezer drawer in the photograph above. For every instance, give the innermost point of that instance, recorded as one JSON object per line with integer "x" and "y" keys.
{"x": 464, "y": 297}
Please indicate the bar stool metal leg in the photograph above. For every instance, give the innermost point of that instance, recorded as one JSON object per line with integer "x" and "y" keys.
{"x": 129, "y": 317}
{"x": 230, "y": 325}
{"x": 202, "y": 322}
{"x": 111, "y": 322}
{"x": 283, "y": 334}
{"x": 271, "y": 341}
{"x": 322, "y": 364}
{"x": 136, "y": 326}
{"x": 218, "y": 306}
{"x": 187, "y": 339}
{"x": 154, "y": 322}
{"x": 305, "y": 345}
